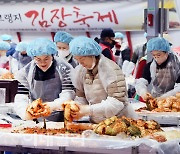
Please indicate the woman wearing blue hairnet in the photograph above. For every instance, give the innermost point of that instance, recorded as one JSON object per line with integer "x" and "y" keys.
{"x": 46, "y": 77}
{"x": 122, "y": 51}
{"x": 163, "y": 71}
{"x": 99, "y": 82}
{"x": 8, "y": 39}
{"x": 62, "y": 40}
{"x": 20, "y": 57}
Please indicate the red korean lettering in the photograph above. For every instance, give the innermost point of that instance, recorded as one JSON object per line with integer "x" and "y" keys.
{"x": 63, "y": 15}
{"x": 55, "y": 11}
{"x": 83, "y": 20}
{"x": 32, "y": 13}
{"x": 62, "y": 24}
{"x": 77, "y": 12}
{"x": 115, "y": 17}
{"x": 110, "y": 16}
{"x": 43, "y": 23}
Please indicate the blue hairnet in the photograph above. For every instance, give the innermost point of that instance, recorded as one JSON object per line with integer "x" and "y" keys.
{"x": 119, "y": 35}
{"x": 22, "y": 46}
{"x": 84, "y": 46}
{"x": 159, "y": 44}
{"x": 41, "y": 46}
{"x": 6, "y": 37}
{"x": 63, "y": 37}
{"x": 4, "y": 46}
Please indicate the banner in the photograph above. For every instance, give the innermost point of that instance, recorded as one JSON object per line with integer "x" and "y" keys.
{"x": 49, "y": 17}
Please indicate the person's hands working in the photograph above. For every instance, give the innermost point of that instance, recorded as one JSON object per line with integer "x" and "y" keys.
{"x": 84, "y": 110}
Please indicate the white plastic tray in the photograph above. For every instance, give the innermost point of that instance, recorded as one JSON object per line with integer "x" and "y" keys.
{"x": 171, "y": 118}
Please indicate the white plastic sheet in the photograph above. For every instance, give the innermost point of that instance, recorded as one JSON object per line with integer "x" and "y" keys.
{"x": 54, "y": 142}
{"x": 87, "y": 140}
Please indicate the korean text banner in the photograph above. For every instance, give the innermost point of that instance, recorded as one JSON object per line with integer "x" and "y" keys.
{"x": 122, "y": 15}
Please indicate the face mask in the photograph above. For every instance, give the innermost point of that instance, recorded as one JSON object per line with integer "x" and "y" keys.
{"x": 93, "y": 64}
{"x": 63, "y": 53}
{"x": 112, "y": 44}
{"x": 119, "y": 41}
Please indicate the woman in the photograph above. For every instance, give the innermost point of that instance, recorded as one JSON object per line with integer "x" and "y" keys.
{"x": 45, "y": 77}
{"x": 62, "y": 40}
{"x": 8, "y": 38}
{"x": 20, "y": 57}
{"x": 100, "y": 84}
{"x": 122, "y": 51}
{"x": 163, "y": 71}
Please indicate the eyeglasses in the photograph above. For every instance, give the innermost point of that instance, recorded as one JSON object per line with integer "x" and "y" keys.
{"x": 158, "y": 55}
{"x": 42, "y": 61}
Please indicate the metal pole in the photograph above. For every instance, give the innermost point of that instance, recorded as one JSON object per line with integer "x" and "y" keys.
{"x": 135, "y": 150}
{"x": 62, "y": 150}
{"x": 153, "y": 8}
{"x": 162, "y": 18}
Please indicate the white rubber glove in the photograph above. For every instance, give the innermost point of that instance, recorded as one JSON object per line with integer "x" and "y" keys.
{"x": 20, "y": 105}
{"x": 124, "y": 66}
{"x": 141, "y": 87}
{"x": 129, "y": 69}
{"x": 14, "y": 65}
{"x": 65, "y": 95}
{"x": 28, "y": 116}
{"x": 146, "y": 96}
{"x": 84, "y": 110}
{"x": 106, "y": 109}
